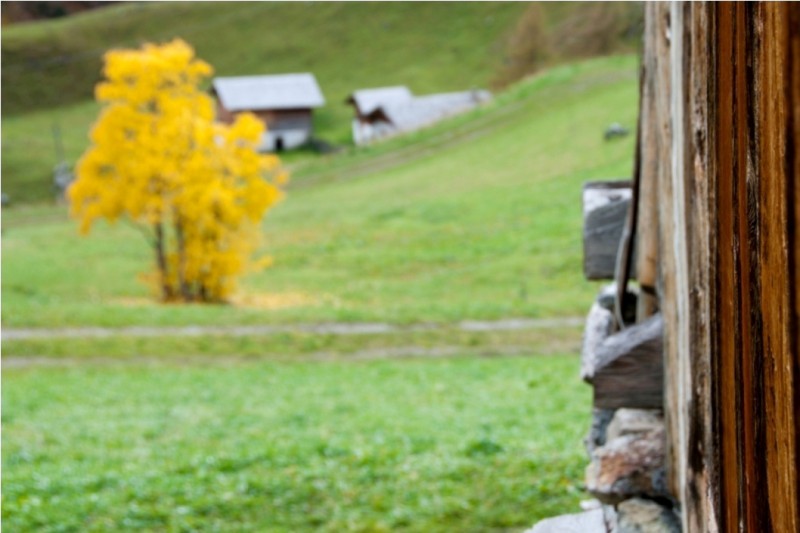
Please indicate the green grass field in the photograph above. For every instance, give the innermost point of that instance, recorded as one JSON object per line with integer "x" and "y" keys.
{"x": 460, "y": 444}
{"x": 476, "y": 218}
{"x": 430, "y": 47}
{"x": 50, "y": 67}
{"x": 484, "y": 225}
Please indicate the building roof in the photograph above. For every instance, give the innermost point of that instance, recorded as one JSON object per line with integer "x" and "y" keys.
{"x": 282, "y": 91}
{"x": 424, "y": 110}
{"x": 368, "y": 100}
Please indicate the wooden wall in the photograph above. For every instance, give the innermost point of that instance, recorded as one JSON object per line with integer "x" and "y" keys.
{"x": 273, "y": 118}
{"x": 720, "y": 163}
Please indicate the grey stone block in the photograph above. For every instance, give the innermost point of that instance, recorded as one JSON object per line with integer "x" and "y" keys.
{"x": 645, "y": 516}
{"x": 586, "y": 522}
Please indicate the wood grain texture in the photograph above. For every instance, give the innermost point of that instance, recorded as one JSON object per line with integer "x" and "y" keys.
{"x": 606, "y": 206}
{"x": 646, "y": 259}
{"x": 700, "y": 432}
{"x": 779, "y": 378}
{"x": 726, "y": 122}
{"x": 793, "y": 163}
{"x": 750, "y": 396}
{"x": 666, "y": 286}
{"x": 727, "y": 325}
{"x": 629, "y": 368}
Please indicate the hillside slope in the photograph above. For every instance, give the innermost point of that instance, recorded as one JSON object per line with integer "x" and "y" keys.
{"x": 477, "y": 218}
{"x": 429, "y": 46}
{"x": 50, "y": 67}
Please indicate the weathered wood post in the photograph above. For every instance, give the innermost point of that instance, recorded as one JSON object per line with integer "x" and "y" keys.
{"x": 718, "y": 237}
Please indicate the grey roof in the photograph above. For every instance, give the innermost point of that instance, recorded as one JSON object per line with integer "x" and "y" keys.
{"x": 282, "y": 91}
{"x": 425, "y": 110}
{"x": 368, "y": 100}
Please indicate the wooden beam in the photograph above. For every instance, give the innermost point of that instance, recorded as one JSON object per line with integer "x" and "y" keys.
{"x": 701, "y": 435}
{"x": 773, "y": 95}
{"x": 670, "y": 217}
{"x": 646, "y": 259}
{"x": 727, "y": 117}
{"x": 605, "y": 210}
{"x": 793, "y": 160}
{"x": 629, "y": 368}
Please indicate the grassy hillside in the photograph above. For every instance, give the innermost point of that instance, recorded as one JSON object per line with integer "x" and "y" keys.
{"x": 476, "y": 218}
{"x": 429, "y": 46}
{"x": 50, "y": 67}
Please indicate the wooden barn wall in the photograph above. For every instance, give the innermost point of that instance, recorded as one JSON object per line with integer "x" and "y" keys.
{"x": 721, "y": 96}
{"x": 673, "y": 209}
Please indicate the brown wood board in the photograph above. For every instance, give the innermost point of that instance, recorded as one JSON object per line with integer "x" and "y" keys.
{"x": 726, "y": 122}
{"x": 630, "y": 367}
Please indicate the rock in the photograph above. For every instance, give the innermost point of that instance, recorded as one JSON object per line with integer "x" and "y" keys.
{"x": 598, "y": 430}
{"x": 599, "y": 325}
{"x": 607, "y": 296}
{"x": 633, "y": 422}
{"x": 627, "y": 467}
{"x": 610, "y": 516}
{"x": 645, "y": 516}
{"x": 586, "y": 522}
{"x": 615, "y": 130}
{"x": 590, "y": 505}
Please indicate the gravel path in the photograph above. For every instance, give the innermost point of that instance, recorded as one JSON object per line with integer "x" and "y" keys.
{"x": 371, "y": 354}
{"x": 364, "y": 328}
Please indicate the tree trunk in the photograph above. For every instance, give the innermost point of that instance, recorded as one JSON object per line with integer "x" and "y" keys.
{"x": 161, "y": 259}
{"x": 183, "y": 286}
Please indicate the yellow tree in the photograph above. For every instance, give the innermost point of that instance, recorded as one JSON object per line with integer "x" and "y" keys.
{"x": 198, "y": 188}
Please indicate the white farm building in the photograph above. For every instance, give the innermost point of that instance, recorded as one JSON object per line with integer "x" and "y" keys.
{"x": 386, "y": 111}
{"x": 284, "y": 102}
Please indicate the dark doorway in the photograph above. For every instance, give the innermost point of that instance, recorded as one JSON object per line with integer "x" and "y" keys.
{"x": 279, "y": 144}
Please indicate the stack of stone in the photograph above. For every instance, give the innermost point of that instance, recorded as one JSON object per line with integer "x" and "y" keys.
{"x": 626, "y": 441}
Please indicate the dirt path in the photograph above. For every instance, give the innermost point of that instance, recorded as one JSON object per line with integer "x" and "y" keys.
{"x": 371, "y": 354}
{"x": 335, "y": 328}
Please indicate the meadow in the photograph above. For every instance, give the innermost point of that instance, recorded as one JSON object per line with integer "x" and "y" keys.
{"x": 426, "y": 428}
{"x": 429, "y": 430}
{"x": 459, "y": 444}
{"x": 478, "y": 219}
{"x": 51, "y": 67}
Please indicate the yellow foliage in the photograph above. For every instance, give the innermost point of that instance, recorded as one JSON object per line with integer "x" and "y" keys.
{"x": 158, "y": 158}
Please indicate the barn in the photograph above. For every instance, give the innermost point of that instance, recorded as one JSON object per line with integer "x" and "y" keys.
{"x": 387, "y": 111}
{"x": 694, "y": 353}
{"x": 285, "y": 103}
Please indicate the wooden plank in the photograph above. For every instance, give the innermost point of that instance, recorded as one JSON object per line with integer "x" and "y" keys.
{"x": 793, "y": 163}
{"x": 729, "y": 331}
{"x": 779, "y": 381}
{"x": 629, "y": 368}
{"x": 666, "y": 287}
{"x": 746, "y": 237}
{"x": 755, "y": 339}
{"x": 727, "y": 115}
{"x": 605, "y": 207}
{"x": 679, "y": 312}
{"x": 702, "y": 460}
{"x": 646, "y": 258}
